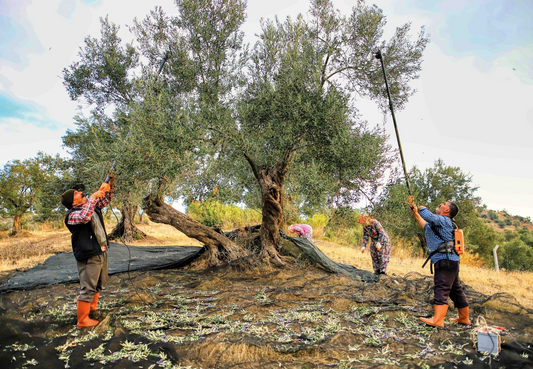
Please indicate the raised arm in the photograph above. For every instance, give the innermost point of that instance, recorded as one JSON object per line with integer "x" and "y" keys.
{"x": 419, "y": 220}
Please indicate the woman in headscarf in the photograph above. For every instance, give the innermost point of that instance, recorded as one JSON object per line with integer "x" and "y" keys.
{"x": 302, "y": 230}
{"x": 380, "y": 246}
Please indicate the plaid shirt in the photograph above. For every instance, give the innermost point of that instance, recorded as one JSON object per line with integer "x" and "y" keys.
{"x": 85, "y": 214}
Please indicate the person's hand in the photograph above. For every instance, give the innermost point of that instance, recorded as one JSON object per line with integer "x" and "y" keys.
{"x": 414, "y": 209}
{"x": 98, "y": 194}
{"x": 111, "y": 178}
{"x": 378, "y": 246}
{"x": 105, "y": 187}
{"x": 363, "y": 249}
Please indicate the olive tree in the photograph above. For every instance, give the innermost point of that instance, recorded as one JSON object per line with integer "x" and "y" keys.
{"x": 22, "y": 184}
{"x": 250, "y": 122}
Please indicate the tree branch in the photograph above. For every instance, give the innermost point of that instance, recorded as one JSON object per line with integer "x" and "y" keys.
{"x": 252, "y": 164}
{"x": 336, "y": 72}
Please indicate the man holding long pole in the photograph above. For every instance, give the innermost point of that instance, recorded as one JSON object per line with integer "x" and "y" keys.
{"x": 439, "y": 231}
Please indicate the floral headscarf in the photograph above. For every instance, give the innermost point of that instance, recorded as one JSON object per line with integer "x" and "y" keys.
{"x": 365, "y": 219}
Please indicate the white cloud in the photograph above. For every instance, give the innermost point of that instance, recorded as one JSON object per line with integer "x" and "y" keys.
{"x": 465, "y": 102}
{"x": 20, "y": 140}
{"x": 61, "y": 34}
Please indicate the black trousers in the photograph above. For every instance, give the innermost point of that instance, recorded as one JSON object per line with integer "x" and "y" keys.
{"x": 447, "y": 284}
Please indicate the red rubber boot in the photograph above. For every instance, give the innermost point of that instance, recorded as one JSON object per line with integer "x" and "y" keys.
{"x": 83, "y": 315}
{"x": 438, "y": 318}
{"x": 94, "y": 303}
{"x": 463, "y": 316}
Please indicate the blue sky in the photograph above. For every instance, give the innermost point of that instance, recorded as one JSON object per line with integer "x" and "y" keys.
{"x": 473, "y": 108}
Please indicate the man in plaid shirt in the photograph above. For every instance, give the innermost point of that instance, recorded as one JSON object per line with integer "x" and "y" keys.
{"x": 89, "y": 244}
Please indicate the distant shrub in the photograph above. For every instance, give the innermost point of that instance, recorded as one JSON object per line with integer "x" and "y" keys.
{"x": 526, "y": 236}
{"x": 343, "y": 228}
{"x": 516, "y": 255}
{"x": 49, "y": 225}
{"x": 319, "y": 222}
{"x": 484, "y": 216}
{"x": 6, "y": 226}
{"x": 508, "y": 235}
{"x": 481, "y": 239}
{"x": 492, "y": 215}
{"x": 500, "y": 223}
{"x": 516, "y": 223}
{"x": 508, "y": 221}
{"x": 472, "y": 259}
{"x": 212, "y": 213}
{"x": 352, "y": 236}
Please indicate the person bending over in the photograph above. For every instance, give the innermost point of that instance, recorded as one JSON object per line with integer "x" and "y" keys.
{"x": 380, "y": 246}
{"x": 302, "y": 230}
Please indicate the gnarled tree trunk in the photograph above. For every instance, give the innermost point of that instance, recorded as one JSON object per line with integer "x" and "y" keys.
{"x": 126, "y": 229}
{"x": 220, "y": 248}
{"x": 17, "y": 221}
{"x": 271, "y": 184}
{"x": 272, "y": 211}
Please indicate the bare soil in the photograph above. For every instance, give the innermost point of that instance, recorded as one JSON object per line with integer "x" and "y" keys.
{"x": 297, "y": 316}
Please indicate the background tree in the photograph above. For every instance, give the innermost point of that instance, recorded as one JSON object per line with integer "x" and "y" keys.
{"x": 22, "y": 183}
{"x": 481, "y": 239}
{"x": 516, "y": 255}
{"x": 48, "y": 207}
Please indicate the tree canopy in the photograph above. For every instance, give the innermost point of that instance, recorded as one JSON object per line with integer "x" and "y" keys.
{"x": 274, "y": 123}
{"x": 26, "y": 186}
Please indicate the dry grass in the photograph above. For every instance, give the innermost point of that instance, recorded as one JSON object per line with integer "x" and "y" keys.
{"x": 30, "y": 249}
{"x": 163, "y": 235}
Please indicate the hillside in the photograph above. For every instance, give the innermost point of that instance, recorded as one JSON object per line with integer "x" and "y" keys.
{"x": 501, "y": 220}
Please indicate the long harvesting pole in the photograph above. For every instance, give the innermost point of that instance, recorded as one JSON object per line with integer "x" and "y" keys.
{"x": 380, "y": 57}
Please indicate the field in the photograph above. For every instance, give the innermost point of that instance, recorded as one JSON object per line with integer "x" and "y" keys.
{"x": 298, "y": 316}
